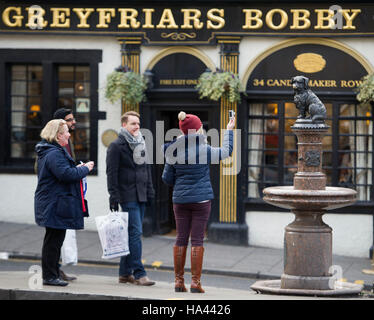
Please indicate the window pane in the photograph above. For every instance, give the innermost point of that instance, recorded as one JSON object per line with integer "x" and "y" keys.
{"x": 66, "y": 89}
{"x": 263, "y": 143}
{"x": 35, "y": 72}
{"x": 35, "y": 88}
{"x": 82, "y": 89}
{"x": 271, "y": 109}
{"x": 26, "y": 119}
{"x": 19, "y": 87}
{"x": 18, "y": 119}
{"x": 290, "y": 143}
{"x": 19, "y": 72}
{"x": 74, "y": 93}
{"x": 35, "y": 104}
{"x": 255, "y": 109}
{"x": 32, "y": 137}
{"x": 18, "y": 103}
{"x": 355, "y": 149}
{"x": 18, "y": 134}
{"x": 347, "y": 110}
{"x": 81, "y": 143}
{"x": 65, "y": 102}
{"x": 82, "y": 73}
{"x": 256, "y": 126}
{"x": 34, "y": 119}
{"x": 17, "y": 150}
{"x": 66, "y": 73}
{"x": 290, "y": 165}
{"x": 83, "y": 120}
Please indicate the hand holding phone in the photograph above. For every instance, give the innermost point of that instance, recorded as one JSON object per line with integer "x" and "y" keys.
{"x": 231, "y": 124}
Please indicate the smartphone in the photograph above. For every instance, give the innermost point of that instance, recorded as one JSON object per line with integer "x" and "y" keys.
{"x": 231, "y": 114}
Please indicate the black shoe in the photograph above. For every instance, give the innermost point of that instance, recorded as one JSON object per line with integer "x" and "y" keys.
{"x": 55, "y": 282}
{"x": 65, "y": 277}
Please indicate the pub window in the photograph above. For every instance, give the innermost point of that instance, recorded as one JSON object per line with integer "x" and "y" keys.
{"x": 347, "y": 147}
{"x": 25, "y": 110}
{"x": 74, "y": 93}
{"x": 33, "y": 84}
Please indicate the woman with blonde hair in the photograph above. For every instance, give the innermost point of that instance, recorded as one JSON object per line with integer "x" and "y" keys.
{"x": 59, "y": 202}
{"x": 187, "y": 169}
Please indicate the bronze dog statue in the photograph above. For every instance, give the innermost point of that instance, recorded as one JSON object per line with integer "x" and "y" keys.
{"x": 306, "y": 101}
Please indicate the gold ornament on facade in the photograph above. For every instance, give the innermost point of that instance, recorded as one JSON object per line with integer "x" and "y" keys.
{"x": 309, "y": 62}
{"x": 108, "y": 137}
{"x": 178, "y": 36}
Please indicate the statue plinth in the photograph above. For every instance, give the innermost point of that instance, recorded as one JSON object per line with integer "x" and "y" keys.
{"x": 309, "y": 174}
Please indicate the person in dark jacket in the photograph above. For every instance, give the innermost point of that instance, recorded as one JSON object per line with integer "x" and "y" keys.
{"x": 59, "y": 202}
{"x": 67, "y": 115}
{"x": 130, "y": 185}
{"x": 187, "y": 170}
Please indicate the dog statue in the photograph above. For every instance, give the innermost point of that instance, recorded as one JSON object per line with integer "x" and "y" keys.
{"x": 307, "y": 102}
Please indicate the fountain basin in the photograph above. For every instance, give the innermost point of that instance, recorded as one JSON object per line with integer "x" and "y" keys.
{"x": 339, "y": 289}
{"x": 330, "y": 198}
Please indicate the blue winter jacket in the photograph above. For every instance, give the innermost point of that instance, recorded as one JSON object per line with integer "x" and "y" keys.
{"x": 187, "y": 166}
{"x": 58, "y": 199}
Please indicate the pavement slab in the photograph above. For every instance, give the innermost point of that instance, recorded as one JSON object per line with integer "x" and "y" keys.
{"x": 16, "y": 285}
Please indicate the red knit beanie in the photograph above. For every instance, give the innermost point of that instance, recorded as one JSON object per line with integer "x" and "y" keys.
{"x": 188, "y": 122}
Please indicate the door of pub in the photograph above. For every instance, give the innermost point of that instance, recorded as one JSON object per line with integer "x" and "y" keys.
{"x": 162, "y": 213}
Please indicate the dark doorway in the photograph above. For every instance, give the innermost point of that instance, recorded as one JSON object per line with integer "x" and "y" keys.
{"x": 162, "y": 208}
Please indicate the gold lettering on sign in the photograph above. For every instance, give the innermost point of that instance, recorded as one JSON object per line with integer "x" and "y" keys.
{"x": 167, "y": 17}
{"x": 214, "y": 18}
{"x": 300, "y": 19}
{"x": 59, "y": 17}
{"x": 349, "y": 18}
{"x": 128, "y": 15}
{"x": 324, "y": 15}
{"x": 269, "y": 19}
{"x": 148, "y": 19}
{"x": 309, "y": 62}
{"x": 252, "y": 15}
{"x": 350, "y": 83}
{"x": 192, "y": 15}
{"x": 83, "y": 15}
{"x": 16, "y": 19}
{"x": 105, "y": 16}
{"x": 312, "y": 83}
{"x": 178, "y": 82}
{"x": 36, "y": 18}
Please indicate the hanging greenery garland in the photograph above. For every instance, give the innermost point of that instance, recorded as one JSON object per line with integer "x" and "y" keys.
{"x": 218, "y": 84}
{"x": 125, "y": 84}
{"x": 365, "y": 91}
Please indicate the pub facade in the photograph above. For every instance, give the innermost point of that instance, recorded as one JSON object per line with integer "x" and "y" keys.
{"x": 59, "y": 55}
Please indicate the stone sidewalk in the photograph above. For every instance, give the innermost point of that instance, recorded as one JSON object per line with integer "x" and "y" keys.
{"x": 25, "y": 241}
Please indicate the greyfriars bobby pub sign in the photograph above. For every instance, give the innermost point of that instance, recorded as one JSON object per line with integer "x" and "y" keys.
{"x": 179, "y": 24}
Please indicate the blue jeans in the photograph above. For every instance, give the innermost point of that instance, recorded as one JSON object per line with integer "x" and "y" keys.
{"x": 132, "y": 263}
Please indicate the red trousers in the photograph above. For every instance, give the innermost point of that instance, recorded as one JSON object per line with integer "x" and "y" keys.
{"x": 191, "y": 219}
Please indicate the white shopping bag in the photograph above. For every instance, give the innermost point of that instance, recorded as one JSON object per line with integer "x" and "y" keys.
{"x": 69, "y": 250}
{"x": 113, "y": 234}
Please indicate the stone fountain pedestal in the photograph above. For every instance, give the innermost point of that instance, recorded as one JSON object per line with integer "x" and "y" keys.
{"x": 308, "y": 240}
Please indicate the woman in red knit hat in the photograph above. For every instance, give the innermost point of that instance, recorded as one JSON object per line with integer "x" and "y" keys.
{"x": 187, "y": 170}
